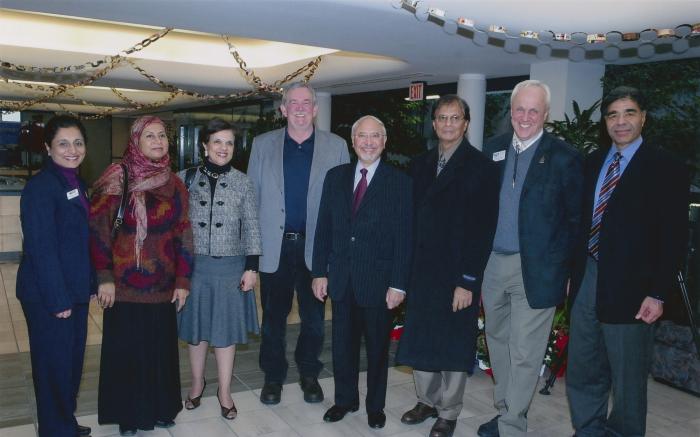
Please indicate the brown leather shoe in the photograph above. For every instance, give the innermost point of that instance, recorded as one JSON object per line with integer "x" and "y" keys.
{"x": 418, "y": 414}
{"x": 443, "y": 428}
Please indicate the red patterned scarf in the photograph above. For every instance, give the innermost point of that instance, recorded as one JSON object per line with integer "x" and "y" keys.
{"x": 144, "y": 175}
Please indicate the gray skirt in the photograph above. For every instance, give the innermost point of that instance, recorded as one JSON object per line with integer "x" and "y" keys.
{"x": 216, "y": 310}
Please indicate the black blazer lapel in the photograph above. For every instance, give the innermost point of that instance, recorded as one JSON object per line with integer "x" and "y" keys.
{"x": 75, "y": 201}
{"x": 633, "y": 175}
{"x": 593, "y": 169}
{"x": 448, "y": 173}
{"x": 499, "y": 147}
{"x": 347, "y": 187}
{"x": 539, "y": 164}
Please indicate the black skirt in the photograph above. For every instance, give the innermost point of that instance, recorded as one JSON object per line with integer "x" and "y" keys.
{"x": 139, "y": 366}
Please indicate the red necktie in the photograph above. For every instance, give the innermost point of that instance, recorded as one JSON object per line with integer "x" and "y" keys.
{"x": 359, "y": 191}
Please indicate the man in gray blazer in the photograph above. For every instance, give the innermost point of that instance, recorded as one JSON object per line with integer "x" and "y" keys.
{"x": 531, "y": 260}
{"x": 287, "y": 168}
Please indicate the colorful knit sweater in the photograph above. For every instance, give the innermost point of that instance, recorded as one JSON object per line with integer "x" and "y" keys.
{"x": 166, "y": 256}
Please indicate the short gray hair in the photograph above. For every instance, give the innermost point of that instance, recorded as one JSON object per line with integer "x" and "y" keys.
{"x": 532, "y": 83}
{"x": 296, "y": 85}
{"x": 367, "y": 117}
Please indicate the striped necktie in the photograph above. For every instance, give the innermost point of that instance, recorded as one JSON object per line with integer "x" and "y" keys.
{"x": 612, "y": 176}
{"x": 442, "y": 162}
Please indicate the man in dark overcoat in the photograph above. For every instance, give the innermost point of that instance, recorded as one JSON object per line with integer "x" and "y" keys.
{"x": 455, "y": 197}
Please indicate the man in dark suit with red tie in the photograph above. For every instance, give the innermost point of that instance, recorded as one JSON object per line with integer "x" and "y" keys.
{"x": 361, "y": 260}
{"x": 632, "y": 243}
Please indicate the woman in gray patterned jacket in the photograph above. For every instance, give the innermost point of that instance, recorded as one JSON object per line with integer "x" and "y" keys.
{"x": 221, "y": 310}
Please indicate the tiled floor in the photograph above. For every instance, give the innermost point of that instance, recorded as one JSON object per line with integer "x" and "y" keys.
{"x": 671, "y": 412}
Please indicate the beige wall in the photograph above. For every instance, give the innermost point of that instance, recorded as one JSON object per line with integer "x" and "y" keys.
{"x": 10, "y": 233}
{"x": 120, "y": 136}
{"x": 99, "y": 149}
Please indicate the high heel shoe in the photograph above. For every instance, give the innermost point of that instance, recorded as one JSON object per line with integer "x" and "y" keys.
{"x": 192, "y": 403}
{"x": 227, "y": 413}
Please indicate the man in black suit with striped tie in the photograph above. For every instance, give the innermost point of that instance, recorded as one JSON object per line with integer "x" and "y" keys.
{"x": 632, "y": 242}
{"x": 361, "y": 259}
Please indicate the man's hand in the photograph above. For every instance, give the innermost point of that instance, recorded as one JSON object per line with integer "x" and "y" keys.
{"x": 180, "y": 295}
{"x": 651, "y": 310}
{"x": 64, "y": 314}
{"x": 320, "y": 288}
{"x": 462, "y": 299}
{"x": 394, "y": 298}
{"x": 105, "y": 295}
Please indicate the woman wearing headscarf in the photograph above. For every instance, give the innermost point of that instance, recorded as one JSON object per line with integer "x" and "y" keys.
{"x": 221, "y": 310}
{"x": 54, "y": 276}
{"x": 143, "y": 269}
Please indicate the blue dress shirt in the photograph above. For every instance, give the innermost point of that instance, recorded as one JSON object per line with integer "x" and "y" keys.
{"x": 627, "y": 155}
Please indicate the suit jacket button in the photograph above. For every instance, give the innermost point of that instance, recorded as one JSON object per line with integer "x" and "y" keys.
{"x": 352, "y": 239}
{"x": 220, "y": 203}
{"x": 203, "y": 202}
{"x": 218, "y": 225}
{"x": 202, "y": 224}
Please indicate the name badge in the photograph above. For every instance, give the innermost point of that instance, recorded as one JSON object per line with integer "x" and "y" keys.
{"x": 72, "y": 193}
{"x": 499, "y": 156}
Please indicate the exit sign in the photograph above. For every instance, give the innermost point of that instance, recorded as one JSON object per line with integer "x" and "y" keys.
{"x": 415, "y": 91}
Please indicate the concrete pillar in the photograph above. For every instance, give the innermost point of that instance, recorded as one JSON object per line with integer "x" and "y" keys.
{"x": 323, "y": 117}
{"x": 569, "y": 81}
{"x": 472, "y": 88}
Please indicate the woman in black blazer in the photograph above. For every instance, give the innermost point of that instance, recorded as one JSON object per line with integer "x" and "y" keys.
{"x": 54, "y": 276}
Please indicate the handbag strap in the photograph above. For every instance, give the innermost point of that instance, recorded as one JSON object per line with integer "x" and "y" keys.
{"x": 189, "y": 176}
{"x": 119, "y": 219}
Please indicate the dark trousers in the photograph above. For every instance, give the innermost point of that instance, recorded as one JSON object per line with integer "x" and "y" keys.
{"x": 57, "y": 352}
{"x": 277, "y": 292}
{"x": 606, "y": 357}
{"x": 350, "y": 323}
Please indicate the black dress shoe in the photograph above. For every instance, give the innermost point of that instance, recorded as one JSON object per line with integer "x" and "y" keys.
{"x": 164, "y": 424}
{"x": 83, "y": 430}
{"x": 125, "y": 430}
{"x": 443, "y": 428}
{"x": 336, "y": 412}
{"x": 489, "y": 429}
{"x": 313, "y": 393}
{"x": 418, "y": 414}
{"x": 376, "y": 420}
{"x": 271, "y": 393}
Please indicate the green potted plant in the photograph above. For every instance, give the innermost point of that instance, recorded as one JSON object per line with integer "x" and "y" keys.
{"x": 580, "y": 131}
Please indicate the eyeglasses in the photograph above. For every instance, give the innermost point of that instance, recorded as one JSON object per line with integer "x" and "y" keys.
{"x": 453, "y": 118}
{"x": 369, "y": 136}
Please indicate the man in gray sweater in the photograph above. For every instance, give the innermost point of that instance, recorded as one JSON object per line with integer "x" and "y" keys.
{"x": 529, "y": 266}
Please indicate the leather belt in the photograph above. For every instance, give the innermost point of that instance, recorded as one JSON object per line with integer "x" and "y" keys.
{"x": 293, "y": 236}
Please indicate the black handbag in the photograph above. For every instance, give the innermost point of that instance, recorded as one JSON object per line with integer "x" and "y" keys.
{"x": 119, "y": 219}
